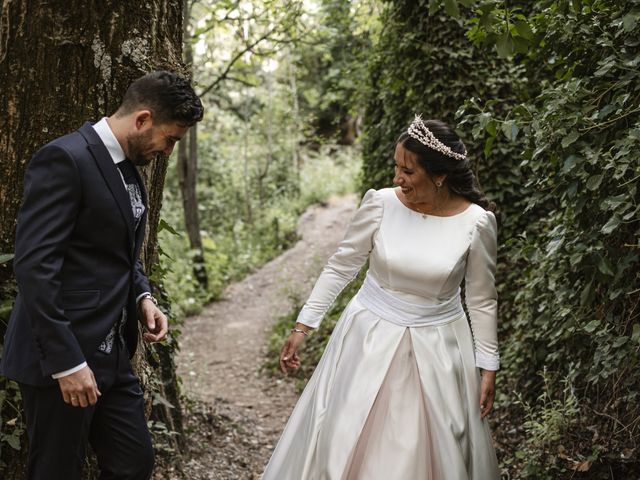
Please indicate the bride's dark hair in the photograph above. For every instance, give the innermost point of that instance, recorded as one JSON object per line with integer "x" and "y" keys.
{"x": 460, "y": 177}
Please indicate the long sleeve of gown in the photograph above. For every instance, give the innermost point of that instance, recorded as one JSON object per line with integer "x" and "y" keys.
{"x": 481, "y": 296}
{"x": 345, "y": 264}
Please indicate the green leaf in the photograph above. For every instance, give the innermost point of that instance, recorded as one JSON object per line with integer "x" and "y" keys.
{"x": 605, "y": 266}
{"x": 611, "y": 225}
{"x": 434, "y": 6}
{"x": 524, "y": 30}
{"x": 451, "y": 7}
{"x": 554, "y": 245}
{"x": 165, "y": 226}
{"x": 510, "y": 130}
{"x": 592, "y": 325}
{"x": 467, "y": 3}
{"x": 5, "y": 257}
{"x": 594, "y": 182}
{"x": 160, "y": 400}
{"x": 585, "y": 295}
{"x": 629, "y": 22}
{"x": 504, "y": 44}
{"x": 635, "y": 336}
{"x": 491, "y": 128}
{"x": 620, "y": 341}
{"x": 569, "y": 139}
{"x": 569, "y": 163}
{"x": 13, "y": 440}
{"x": 488, "y": 146}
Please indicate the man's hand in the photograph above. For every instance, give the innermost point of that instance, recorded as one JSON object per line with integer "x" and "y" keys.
{"x": 80, "y": 388}
{"x": 154, "y": 320}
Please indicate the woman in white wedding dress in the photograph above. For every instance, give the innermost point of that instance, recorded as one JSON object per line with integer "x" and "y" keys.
{"x": 406, "y": 380}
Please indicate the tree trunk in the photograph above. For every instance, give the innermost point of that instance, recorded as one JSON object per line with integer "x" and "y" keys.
{"x": 187, "y": 178}
{"x": 188, "y": 172}
{"x": 61, "y": 63}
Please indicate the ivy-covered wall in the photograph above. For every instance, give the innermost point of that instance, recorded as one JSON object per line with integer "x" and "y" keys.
{"x": 553, "y": 124}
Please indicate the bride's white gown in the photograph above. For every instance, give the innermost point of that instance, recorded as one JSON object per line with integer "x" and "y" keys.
{"x": 387, "y": 401}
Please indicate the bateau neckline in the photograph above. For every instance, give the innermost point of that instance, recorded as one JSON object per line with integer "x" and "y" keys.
{"x": 395, "y": 195}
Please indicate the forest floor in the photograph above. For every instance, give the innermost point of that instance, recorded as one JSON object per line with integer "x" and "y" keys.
{"x": 236, "y": 411}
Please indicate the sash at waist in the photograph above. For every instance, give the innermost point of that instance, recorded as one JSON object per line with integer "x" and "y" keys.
{"x": 406, "y": 314}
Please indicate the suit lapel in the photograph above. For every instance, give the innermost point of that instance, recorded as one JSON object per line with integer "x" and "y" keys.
{"x": 111, "y": 175}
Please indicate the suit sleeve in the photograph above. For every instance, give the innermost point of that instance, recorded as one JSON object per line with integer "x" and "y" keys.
{"x": 52, "y": 195}
{"x": 140, "y": 281}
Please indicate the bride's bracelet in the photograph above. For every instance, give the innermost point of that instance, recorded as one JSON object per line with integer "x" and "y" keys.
{"x": 299, "y": 330}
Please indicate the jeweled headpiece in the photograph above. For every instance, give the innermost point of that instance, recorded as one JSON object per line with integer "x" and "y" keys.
{"x": 420, "y": 132}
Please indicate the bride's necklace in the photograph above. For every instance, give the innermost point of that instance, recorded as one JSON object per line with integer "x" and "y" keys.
{"x": 422, "y": 212}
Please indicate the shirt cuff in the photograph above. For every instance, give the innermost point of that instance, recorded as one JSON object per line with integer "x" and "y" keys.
{"x": 70, "y": 371}
{"x": 139, "y": 297}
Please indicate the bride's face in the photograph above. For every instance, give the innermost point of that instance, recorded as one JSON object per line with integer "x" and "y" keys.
{"x": 415, "y": 183}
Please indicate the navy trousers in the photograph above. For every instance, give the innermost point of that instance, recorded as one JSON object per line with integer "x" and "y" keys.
{"x": 115, "y": 427}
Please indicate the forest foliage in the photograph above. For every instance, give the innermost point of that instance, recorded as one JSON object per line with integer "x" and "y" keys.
{"x": 547, "y": 95}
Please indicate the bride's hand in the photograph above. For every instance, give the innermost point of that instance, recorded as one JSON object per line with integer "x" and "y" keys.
{"x": 487, "y": 392}
{"x": 288, "y": 355}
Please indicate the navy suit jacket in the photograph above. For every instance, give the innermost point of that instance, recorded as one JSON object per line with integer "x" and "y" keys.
{"x": 76, "y": 259}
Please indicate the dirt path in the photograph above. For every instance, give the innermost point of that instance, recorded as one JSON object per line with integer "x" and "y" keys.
{"x": 238, "y": 413}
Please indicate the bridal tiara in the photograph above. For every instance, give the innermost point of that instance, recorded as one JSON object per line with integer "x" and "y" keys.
{"x": 420, "y": 132}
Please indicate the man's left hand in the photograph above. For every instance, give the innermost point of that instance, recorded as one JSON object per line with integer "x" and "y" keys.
{"x": 154, "y": 320}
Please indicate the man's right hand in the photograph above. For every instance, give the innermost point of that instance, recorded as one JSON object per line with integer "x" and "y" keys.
{"x": 80, "y": 388}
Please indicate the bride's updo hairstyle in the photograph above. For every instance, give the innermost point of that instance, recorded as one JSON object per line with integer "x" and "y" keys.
{"x": 447, "y": 156}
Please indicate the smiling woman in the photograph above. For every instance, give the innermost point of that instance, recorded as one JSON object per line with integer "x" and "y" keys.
{"x": 435, "y": 177}
{"x": 397, "y": 393}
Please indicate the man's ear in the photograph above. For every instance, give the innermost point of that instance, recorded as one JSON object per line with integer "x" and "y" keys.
{"x": 142, "y": 119}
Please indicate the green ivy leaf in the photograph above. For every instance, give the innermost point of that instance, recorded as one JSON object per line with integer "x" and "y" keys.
{"x": 5, "y": 257}
{"x": 491, "y": 128}
{"x": 569, "y": 139}
{"x": 629, "y": 22}
{"x": 611, "y": 225}
{"x": 569, "y": 163}
{"x": 585, "y": 295}
{"x": 488, "y": 146}
{"x": 605, "y": 266}
{"x": 434, "y": 6}
{"x": 591, "y": 326}
{"x": 510, "y": 130}
{"x": 451, "y": 7}
{"x": 504, "y": 44}
{"x": 620, "y": 341}
{"x": 635, "y": 336}
{"x": 524, "y": 30}
{"x": 594, "y": 182}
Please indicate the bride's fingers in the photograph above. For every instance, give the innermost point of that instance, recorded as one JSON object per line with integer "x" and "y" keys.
{"x": 284, "y": 356}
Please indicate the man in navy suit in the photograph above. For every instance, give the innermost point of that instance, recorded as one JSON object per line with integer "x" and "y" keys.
{"x": 82, "y": 289}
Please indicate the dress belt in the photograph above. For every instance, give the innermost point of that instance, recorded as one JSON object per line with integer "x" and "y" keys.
{"x": 406, "y": 314}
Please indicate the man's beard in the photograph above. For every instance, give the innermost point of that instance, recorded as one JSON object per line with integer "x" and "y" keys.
{"x": 137, "y": 145}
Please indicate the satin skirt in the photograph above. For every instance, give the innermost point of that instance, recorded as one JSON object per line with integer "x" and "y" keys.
{"x": 388, "y": 402}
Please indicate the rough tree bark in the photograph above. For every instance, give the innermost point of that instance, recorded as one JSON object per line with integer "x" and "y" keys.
{"x": 63, "y": 62}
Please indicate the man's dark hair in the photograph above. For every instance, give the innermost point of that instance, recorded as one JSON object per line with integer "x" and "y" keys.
{"x": 168, "y": 96}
